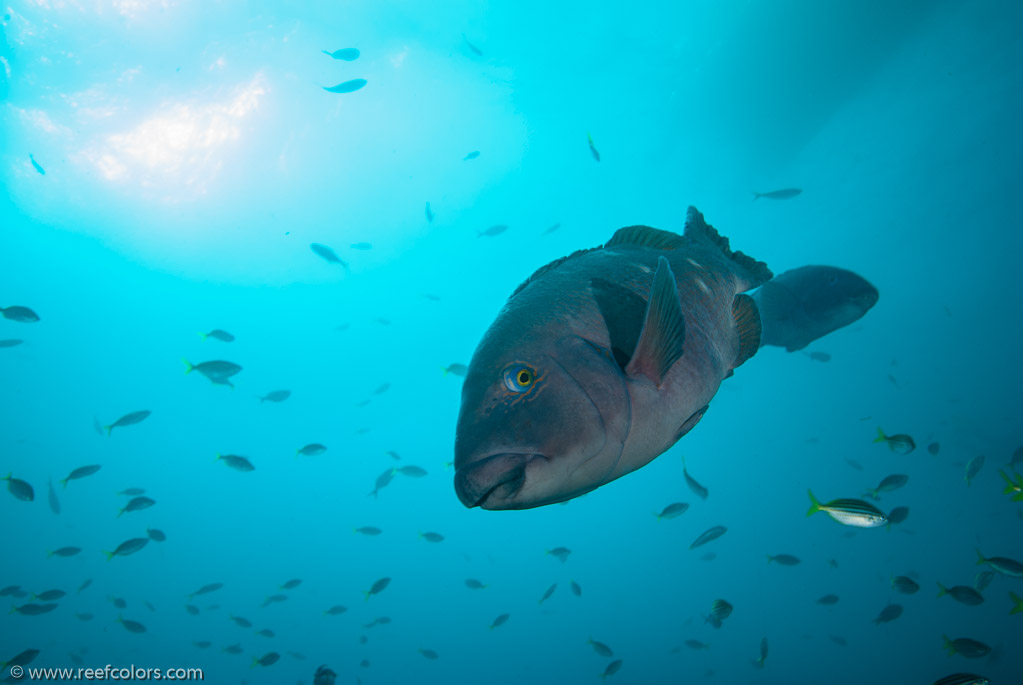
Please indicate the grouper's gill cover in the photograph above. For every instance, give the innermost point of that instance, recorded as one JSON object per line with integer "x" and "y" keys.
{"x": 600, "y": 361}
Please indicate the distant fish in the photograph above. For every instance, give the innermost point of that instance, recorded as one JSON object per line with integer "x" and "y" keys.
{"x": 708, "y": 536}
{"x": 696, "y": 644}
{"x": 593, "y": 148}
{"x": 50, "y": 595}
{"x": 291, "y": 584}
{"x": 964, "y": 594}
{"x": 784, "y": 194}
{"x": 672, "y": 510}
{"x": 600, "y": 648}
{"x": 137, "y": 504}
{"x": 383, "y": 480}
{"x": 611, "y": 669}
{"x": 828, "y": 600}
{"x": 500, "y": 621}
{"x": 118, "y": 603}
{"x": 576, "y": 589}
{"x": 268, "y": 659}
{"x": 474, "y": 584}
{"x": 23, "y": 659}
{"x": 127, "y": 547}
{"x": 472, "y": 155}
{"x": 475, "y": 50}
{"x": 328, "y": 254}
{"x": 759, "y": 663}
{"x": 839, "y": 640}
{"x": 10, "y": 342}
{"x": 820, "y": 356}
{"x": 35, "y": 164}
{"x": 347, "y": 86}
{"x": 1003, "y": 565}
{"x": 128, "y": 420}
{"x": 19, "y": 314}
{"x": 805, "y": 304}
{"x": 933, "y": 449}
{"x": 897, "y": 515}
{"x": 131, "y": 492}
{"x": 206, "y": 589}
{"x": 550, "y": 229}
{"x": 697, "y": 489}
{"x": 983, "y": 579}
{"x": 275, "y": 396}
{"x": 81, "y": 472}
{"x": 235, "y": 462}
{"x": 241, "y": 622}
{"x": 888, "y": 484}
{"x": 905, "y": 585}
{"x": 345, "y": 54}
{"x": 429, "y": 213}
{"x": 548, "y": 593}
{"x": 377, "y": 587}
{"x": 973, "y": 468}
{"x": 432, "y": 537}
{"x": 368, "y": 530}
{"x": 783, "y": 559}
{"x": 52, "y": 496}
{"x": 131, "y": 626}
{"x": 431, "y": 297}
{"x": 561, "y": 553}
{"x": 888, "y": 614}
{"x": 497, "y": 229}
{"x": 900, "y": 442}
{"x": 311, "y": 450}
{"x": 19, "y": 488}
{"x": 202, "y": 644}
{"x": 218, "y": 334}
{"x": 411, "y": 471}
{"x": 32, "y": 609}
{"x": 855, "y": 464}
{"x": 233, "y": 649}
{"x": 720, "y": 609}
{"x": 455, "y": 369}
{"x": 849, "y": 512}
{"x": 265, "y": 632}
{"x": 64, "y": 552}
{"x": 336, "y": 610}
{"x": 361, "y": 246}
{"x": 429, "y": 654}
{"x": 192, "y": 609}
{"x": 971, "y": 649}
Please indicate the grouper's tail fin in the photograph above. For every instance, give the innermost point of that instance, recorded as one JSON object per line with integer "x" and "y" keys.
{"x": 754, "y": 272}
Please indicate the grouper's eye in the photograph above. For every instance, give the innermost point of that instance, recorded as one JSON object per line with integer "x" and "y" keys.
{"x": 519, "y": 377}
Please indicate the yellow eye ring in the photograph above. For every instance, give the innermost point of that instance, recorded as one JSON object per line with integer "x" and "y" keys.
{"x": 519, "y": 378}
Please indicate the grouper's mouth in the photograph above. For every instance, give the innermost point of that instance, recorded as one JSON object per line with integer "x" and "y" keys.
{"x": 490, "y": 482}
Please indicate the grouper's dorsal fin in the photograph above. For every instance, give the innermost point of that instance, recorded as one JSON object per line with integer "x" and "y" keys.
{"x": 550, "y": 267}
{"x": 644, "y": 236}
{"x": 664, "y": 329}
{"x": 747, "y": 323}
{"x": 754, "y": 272}
{"x": 622, "y": 310}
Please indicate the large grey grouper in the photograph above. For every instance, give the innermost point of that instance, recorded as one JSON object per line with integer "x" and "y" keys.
{"x": 600, "y": 362}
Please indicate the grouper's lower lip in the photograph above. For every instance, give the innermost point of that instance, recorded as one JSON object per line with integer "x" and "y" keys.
{"x": 493, "y": 479}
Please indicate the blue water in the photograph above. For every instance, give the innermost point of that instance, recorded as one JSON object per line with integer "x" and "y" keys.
{"x": 191, "y": 155}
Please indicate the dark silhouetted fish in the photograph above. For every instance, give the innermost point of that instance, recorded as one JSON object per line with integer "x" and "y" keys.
{"x": 708, "y": 536}
{"x": 429, "y": 213}
{"x": 964, "y": 594}
{"x": 344, "y": 54}
{"x": 805, "y": 304}
{"x": 971, "y": 649}
{"x": 129, "y": 419}
{"x": 328, "y": 254}
{"x": 268, "y": 659}
{"x": 1003, "y": 565}
{"x": 52, "y": 496}
{"x": 276, "y": 396}
{"x": 697, "y": 489}
{"x": 962, "y": 679}
{"x": 887, "y": 484}
{"x": 472, "y": 155}
{"x": 888, "y": 614}
{"x": 218, "y": 334}
{"x": 81, "y": 472}
{"x": 19, "y": 314}
{"x": 973, "y": 468}
{"x": 784, "y": 194}
{"x": 236, "y": 462}
{"x": 127, "y": 547}
{"x": 492, "y": 231}
{"x": 455, "y": 369}
{"x": 475, "y": 50}
{"x": 10, "y": 342}
{"x": 783, "y": 559}
{"x": 347, "y": 86}
{"x": 828, "y": 600}
{"x": 611, "y": 669}
{"x": 137, "y": 504}
{"x": 64, "y": 552}
{"x": 377, "y": 587}
{"x": 19, "y": 488}
{"x": 905, "y": 585}
{"x": 593, "y": 148}
{"x": 36, "y": 165}
{"x": 672, "y": 510}
{"x": 501, "y": 620}
{"x": 900, "y": 442}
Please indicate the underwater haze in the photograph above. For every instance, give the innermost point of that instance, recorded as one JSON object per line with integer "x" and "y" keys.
{"x": 322, "y": 207}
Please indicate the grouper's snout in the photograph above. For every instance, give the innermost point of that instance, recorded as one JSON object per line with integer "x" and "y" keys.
{"x": 500, "y": 474}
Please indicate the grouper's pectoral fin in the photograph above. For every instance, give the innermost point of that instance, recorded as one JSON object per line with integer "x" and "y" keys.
{"x": 664, "y": 329}
{"x": 622, "y": 311}
{"x": 747, "y": 323}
